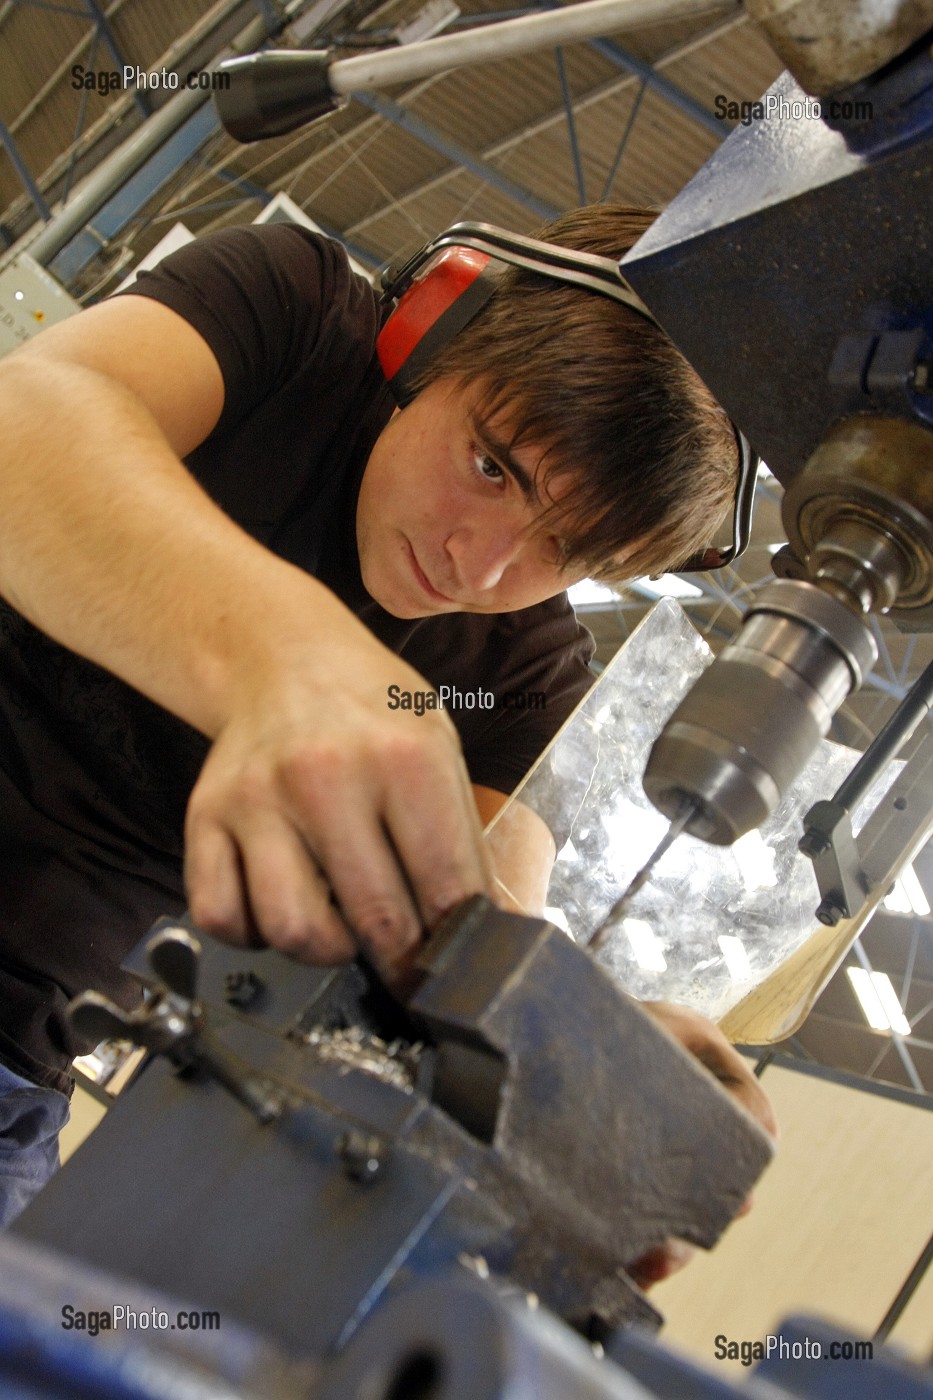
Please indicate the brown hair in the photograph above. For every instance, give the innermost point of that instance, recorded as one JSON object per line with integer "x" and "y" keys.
{"x": 652, "y": 454}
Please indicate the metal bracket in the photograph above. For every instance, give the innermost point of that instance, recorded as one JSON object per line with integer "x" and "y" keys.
{"x": 173, "y": 1023}
{"x": 828, "y": 839}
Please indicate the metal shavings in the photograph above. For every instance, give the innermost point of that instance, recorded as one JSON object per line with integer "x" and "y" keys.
{"x": 394, "y": 1063}
{"x": 475, "y": 1263}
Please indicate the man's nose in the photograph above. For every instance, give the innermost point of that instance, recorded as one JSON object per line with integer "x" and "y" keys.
{"x": 481, "y": 556}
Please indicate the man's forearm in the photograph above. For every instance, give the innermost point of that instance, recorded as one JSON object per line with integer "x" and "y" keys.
{"x": 109, "y": 545}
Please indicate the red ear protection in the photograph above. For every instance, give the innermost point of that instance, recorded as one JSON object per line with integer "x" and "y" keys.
{"x": 445, "y": 295}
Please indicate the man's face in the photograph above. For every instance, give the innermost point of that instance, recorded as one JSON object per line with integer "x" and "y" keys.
{"x": 446, "y": 514}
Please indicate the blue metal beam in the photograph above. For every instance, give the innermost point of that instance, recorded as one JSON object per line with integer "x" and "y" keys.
{"x": 661, "y": 85}
{"x": 135, "y": 193}
{"x": 423, "y": 131}
{"x": 571, "y": 124}
{"x": 113, "y": 48}
{"x": 623, "y": 142}
{"x": 24, "y": 173}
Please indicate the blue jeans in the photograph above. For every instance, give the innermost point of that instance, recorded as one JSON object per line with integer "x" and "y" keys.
{"x": 30, "y": 1121}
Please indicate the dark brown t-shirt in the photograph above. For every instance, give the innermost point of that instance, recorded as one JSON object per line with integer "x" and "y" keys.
{"x": 94, "y": 778}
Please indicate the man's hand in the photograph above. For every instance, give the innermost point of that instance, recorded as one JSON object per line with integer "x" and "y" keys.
{"x": 322, "y": 821}
{"x": 707, "y": 1042}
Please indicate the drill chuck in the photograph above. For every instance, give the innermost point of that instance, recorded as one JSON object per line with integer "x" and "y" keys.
{"x": 749, "y": 725}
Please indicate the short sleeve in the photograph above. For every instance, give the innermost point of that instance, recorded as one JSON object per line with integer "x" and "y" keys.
{"x": 266, "y": 299}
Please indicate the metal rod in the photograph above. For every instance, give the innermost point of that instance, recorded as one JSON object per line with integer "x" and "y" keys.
{"x": 491, "y": 42}
{"x": 914, "y": 707}
{"x": 904, "y": 1294}
{"x": 27, "y": 180}
{"x": 599, "y": 936}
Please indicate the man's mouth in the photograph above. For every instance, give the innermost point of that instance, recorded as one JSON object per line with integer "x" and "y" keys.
{"x": 423, "y": 581}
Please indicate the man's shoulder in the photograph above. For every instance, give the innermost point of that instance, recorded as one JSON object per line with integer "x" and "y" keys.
{"x": 263, "y": 257}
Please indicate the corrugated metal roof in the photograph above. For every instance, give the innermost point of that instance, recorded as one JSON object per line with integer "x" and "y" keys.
{"x": 359, "y": 173}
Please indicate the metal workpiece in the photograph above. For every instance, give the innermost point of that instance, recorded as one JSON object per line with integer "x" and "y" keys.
{"x": 860, "y": 516}
{"x": 519, "y": 988}
{"x": 831, "y": 44}
{"x": 458, "y": 1339}
{"x": 557, "y": 1158}
{"x": 751, "y": 722}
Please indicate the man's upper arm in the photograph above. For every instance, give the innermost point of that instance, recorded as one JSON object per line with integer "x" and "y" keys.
{"x": 150, "y": 350}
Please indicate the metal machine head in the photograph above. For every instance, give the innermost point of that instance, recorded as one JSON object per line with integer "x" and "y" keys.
{"x": 817, "y": 338}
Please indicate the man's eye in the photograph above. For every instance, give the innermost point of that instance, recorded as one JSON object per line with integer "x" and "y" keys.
{"x": 487, "y": 466}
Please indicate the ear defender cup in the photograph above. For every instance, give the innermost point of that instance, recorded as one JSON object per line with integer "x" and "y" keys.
{"x": 453, "y": 288}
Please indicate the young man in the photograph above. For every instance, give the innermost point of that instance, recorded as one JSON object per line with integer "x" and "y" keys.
{"x": 220, "y": 549}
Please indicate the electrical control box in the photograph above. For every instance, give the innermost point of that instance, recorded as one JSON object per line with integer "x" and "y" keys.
{"x": 30, "y": 300}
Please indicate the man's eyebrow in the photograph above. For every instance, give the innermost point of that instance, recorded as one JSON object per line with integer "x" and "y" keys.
{"x": 499, "y": 450}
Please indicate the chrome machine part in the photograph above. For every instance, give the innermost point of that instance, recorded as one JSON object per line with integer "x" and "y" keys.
{"x": 830, "y": 44}
{"x": 860, "y": 516}
{"x": 753, "y": 719}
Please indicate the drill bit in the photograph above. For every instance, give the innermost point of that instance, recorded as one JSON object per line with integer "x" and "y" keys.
{"x": 621, "y": 906}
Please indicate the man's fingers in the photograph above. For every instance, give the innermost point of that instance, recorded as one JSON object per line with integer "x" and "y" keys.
{"x": 441, "y": 846}
{"x": 262, "y": 886}
{"x": 732, "y": 1071}
{"x": 289, "y": 898}
{"x": 363, "y": 869}
{"x": 397, "y": 836}
{"x": 707, "y": 1042}
{"x": 659, "y": 1263}
{"x": 348, "y": 816}
{"x": 214, "y": 881}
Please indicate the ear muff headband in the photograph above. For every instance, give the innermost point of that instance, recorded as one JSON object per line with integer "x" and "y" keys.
{"x": 434, "y": 307}
{"x": 437, "y": 296}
